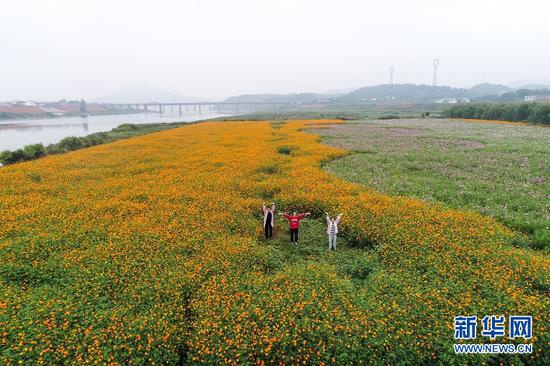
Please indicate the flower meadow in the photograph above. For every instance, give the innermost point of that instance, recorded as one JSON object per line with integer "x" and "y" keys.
{"x": 150, "y": 251}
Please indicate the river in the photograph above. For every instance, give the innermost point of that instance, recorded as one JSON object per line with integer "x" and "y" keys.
{"x": 18, "y": 133}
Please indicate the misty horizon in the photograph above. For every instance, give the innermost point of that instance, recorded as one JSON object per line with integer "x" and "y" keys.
{"x": 214, "y": 49}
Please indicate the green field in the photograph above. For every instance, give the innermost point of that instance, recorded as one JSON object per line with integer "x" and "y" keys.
{"x": 354, "y": 263}
{"x": 500, "y": 170}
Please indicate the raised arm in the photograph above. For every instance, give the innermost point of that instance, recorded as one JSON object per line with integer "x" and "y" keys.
{"x": 273, "y": 207}
{"x": 328, "y": 218}
{"x": 263, "y": 207}
{"x": 338, "y": 219}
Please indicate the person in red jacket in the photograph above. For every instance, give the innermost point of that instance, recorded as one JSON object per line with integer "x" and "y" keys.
{"x": 294, "y": 221}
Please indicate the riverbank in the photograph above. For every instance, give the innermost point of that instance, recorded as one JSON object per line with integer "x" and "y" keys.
{"x": 16, "y": 134}
{"x": 71, "y": 143}
{"x": 7, "y": 116}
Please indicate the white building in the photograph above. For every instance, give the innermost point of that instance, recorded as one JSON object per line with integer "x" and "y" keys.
{"x": 536, "y": 98}
{"x": 446, "y": 100}
{"x": 52, "y": 110}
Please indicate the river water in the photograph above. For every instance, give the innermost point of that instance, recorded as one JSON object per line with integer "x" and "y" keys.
{"x": 18, "y": 133}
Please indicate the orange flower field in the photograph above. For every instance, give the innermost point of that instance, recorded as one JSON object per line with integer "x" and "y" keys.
{"x": 150, "y": 251}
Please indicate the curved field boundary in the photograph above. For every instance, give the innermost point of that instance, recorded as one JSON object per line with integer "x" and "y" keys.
{"x": 147, "y": 250}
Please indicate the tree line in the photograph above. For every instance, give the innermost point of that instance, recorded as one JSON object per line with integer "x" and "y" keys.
{"x": 538, "y": 113}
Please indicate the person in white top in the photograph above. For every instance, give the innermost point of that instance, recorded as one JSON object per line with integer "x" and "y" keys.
{"x": 332, "y": 230}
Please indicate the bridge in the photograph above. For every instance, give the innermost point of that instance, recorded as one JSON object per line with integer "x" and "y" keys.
{"x": 199, "y": 107}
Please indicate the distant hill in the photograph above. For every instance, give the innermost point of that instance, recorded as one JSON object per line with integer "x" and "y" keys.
{"x": 302, "y": 98}
{"x": 530, "y": 84}
{"x": 513, "y": 96}
{"x": 337, "y": 92}
{"x": 145, "y": 95}
{"x": 400, "y": 92}
{"x": 403, "y": 93}
{"x": 535, "y": 86}
{"x": 483, "y": 89}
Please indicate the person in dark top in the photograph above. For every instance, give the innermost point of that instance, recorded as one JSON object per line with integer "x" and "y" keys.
{"x": 294, "y": 221}
{"x": 269, "y": 219}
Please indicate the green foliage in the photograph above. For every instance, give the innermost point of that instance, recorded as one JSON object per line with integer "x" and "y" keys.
{"x": 34, "y": 151}
{"x": 29, "y": 152}
{"x": 499, "y": 170}
{"x": 286, "y": 150}
{"x": 389, "y": 116}
{"x": 126, "y": 127}
{"x": 269, "y": 169}
{"x": 344, "y": 114}
{"x": 71, "y": 143}
{"x": 541, "y": 238}
{"x": 515, "y": 112}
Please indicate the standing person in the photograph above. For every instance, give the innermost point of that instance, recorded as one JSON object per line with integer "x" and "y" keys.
{"x": 294, "y": 221}
{"x": 332, "y": 230}
{"x": 269, "y": 219}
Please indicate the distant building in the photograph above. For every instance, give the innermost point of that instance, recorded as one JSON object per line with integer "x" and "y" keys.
{"x": 446, "y": 100}
{"x": 536, "y": 98}
{"x": 22, "y": 109}
{"x": 52, "y": 110}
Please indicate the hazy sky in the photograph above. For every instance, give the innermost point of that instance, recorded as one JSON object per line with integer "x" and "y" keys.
{"x": 214, "y": 48}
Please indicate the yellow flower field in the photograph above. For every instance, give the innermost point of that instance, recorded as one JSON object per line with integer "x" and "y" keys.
{"x": 148, "y": 251}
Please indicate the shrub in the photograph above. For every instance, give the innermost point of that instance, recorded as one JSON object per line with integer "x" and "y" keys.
{"x": 514, "y": 112}
{"x": 125, "y": 127}
{"x": 389, "y": 116}
{"x": 268, "y": 169}
{"x": 6, "y": 157}
{"x": 52, "y": 149}
{"x": 10, "y": 157}
{"x": 286, "y": 150}
{"x": 34, "y": 151}
{"x": 71, "y": 143}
